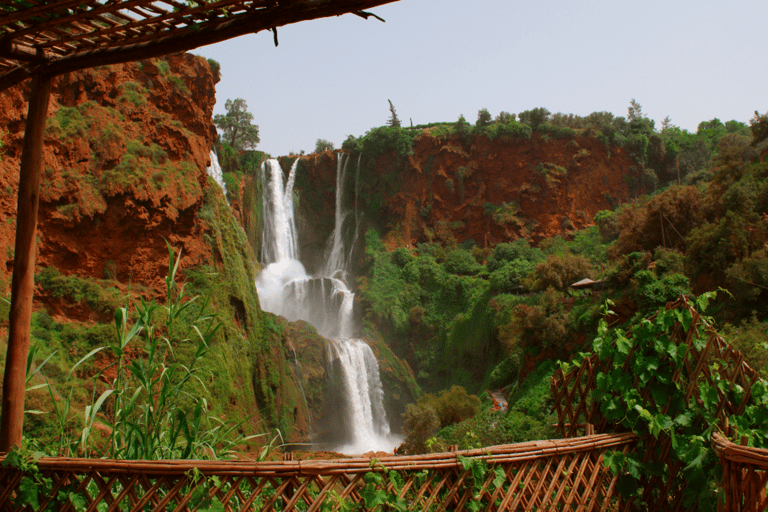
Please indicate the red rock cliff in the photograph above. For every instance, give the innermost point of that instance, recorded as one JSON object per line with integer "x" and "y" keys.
{"x": 491, "y": 191}
{"x": 124, "y": 162}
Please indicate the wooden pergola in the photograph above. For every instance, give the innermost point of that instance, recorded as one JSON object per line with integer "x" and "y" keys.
{"x": 41, "y": 39}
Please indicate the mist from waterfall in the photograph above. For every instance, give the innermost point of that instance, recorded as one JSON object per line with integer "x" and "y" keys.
{"x": 215, "y": 172}
{"x": 325, "y": 301}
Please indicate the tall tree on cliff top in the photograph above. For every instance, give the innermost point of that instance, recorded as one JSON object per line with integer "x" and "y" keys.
{"x": 394, "y": 121}
{"x": 237, "y": 125}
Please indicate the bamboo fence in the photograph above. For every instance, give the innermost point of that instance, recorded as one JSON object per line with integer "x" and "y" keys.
{"x": 564, "y": 474}
{"x": 576, "y": 407}
{"x": 745, "y": 475}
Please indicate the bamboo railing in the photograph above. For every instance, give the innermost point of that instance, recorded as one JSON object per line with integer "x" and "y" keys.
{"x": 745, "y": 475}
{"x": 576, "y": 406}
{"x": 564, "y": 474}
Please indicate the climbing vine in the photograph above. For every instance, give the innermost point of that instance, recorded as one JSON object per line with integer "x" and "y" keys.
{"x": 653, "y": 385}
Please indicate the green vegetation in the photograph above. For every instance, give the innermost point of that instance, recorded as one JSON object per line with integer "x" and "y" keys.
{"x": 646, "y": 358}
{"x": 237, "y": 125}
{"x": 483, "y": 318}
{"x": 323, "y": 145}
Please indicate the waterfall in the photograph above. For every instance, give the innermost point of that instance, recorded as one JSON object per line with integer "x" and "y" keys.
{"x": 215, "y": 172}
{"x": 325, "y": 301}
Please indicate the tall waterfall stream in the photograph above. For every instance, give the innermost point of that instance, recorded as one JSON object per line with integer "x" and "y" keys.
{"x": 325, "y": 301}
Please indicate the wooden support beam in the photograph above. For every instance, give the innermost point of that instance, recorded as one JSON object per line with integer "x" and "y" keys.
{"x": 23, "y": 281}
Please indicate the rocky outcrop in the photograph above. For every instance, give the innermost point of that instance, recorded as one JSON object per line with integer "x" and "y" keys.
{"x": 490, "y": 191}
{"x": 124, "y": 159}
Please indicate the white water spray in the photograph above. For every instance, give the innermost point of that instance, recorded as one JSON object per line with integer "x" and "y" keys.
{"x": 326, "y": 302}
{"x": 215, "y": 172}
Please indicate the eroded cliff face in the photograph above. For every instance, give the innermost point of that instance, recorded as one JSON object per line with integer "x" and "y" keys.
{"x": 490, "y": 191}
{"x": 124, "y": 170}
{"x": 124, "y": 159}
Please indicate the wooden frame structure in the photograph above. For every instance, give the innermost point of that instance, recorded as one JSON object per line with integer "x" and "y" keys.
{"x": 563, "y": 474}
{"x": 41, "y": 39}
{"x": 745, "y": 475}
{"x": 576, "y": 406}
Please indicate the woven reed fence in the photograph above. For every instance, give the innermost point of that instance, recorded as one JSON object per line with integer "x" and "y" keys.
{"x": 745, "y": 475}
{"x": 575, "y": 407}
{"x": 564, "y": 474}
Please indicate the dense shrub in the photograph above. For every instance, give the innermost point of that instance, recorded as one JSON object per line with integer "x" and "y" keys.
{"x": 384, "y": 139}
{"x": 323, "y": 145}
{"x": 461, "y": 261}
{"x": 507, "y": 279}
{"x": 535, "y": 117}
{"x": 678, "y": 209}
{"x": 510, "y": 129}
{"x": 653, "y": 292}
{"x": 420, "y": 422}
{"x": 519, "y": 249}
{"x": 560, "y": 271}
{"x": 452, "y": 405}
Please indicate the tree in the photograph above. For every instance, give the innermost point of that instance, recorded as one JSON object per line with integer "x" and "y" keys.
{"x": 394, "y": 121}
{"x": 759, "y": 127}
{"x": 237, "y": 125}
{"x": 483, "y": 118}
{"x": 323, "y": 145}
{"x": 505, "y": 117}
{"x": 634, "y": 111}
{"x": 536, "y": 117}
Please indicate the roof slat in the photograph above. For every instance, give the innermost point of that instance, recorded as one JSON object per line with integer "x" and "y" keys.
{"x": 56, "y": 36}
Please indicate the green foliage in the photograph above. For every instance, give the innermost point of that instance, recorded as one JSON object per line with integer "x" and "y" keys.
{"x": 505, "y": 117}
{"x": 386, "y": 139}
{"x": 519, "y": 249}
{"x": 163, "y": 67}
{"x": 462, "y": 128}
{"x": 451, "y": 405}
{"x": 529, "y": 417}
{"x": 352, "y": 144}
{"x": 237, "y": 125}
{"x": 557, "y": 132}
{"x": 70, "y": 121}
{"x": 508, "y": 278}
{"x": 179, "y": 84}
{"x": 607, "y": 223}
{"x": 510, "y": 129}
{"x": 534, "y": 118}
{"x": 750, "y": 338}
{"x": 393, "y": 121}
{"x": 654, "y": 292}
{"x": 484, "y": 119}
{"x": 215, "y": 69}
{"x": 759, "y": 127}
{"x": 432, "y": 412}
{"x": 645, "y": 357}
{"x": 100, "y": 296}
{"x": 134, "y": 93}
{"x": 560, "y": 271}
{"x": 460, "y": 261}
{"x": 420, "y": 422}
{"x": 504, "y": 214}
{"x": 323, "y": 145}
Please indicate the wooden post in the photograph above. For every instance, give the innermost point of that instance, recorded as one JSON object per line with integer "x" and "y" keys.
{"x": 23, "y": 281}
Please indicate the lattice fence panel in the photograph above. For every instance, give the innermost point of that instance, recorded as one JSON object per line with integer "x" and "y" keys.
{"x": 565, "y": 474}
{"x": 576, "y": 407}
{"x": 745, "y": 476}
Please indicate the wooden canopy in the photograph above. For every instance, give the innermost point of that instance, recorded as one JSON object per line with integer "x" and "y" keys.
{"x": 41, "y": 39}
{"x": 58, "y": 36}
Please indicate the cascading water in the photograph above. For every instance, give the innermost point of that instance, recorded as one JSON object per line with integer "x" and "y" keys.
{"x": 325, "y": 301}
{"x": 215, "y": 172}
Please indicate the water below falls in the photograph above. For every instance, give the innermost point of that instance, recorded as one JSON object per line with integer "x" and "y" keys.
{"x": 325, "y": 301}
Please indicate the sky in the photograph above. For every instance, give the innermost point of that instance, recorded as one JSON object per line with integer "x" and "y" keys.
{"x": 439, "y": 59}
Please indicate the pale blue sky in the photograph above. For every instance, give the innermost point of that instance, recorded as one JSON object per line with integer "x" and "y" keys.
{"x": 437, "y": 59}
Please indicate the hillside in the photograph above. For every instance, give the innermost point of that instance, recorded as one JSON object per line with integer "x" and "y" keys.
{"x": 125, "y": 157}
